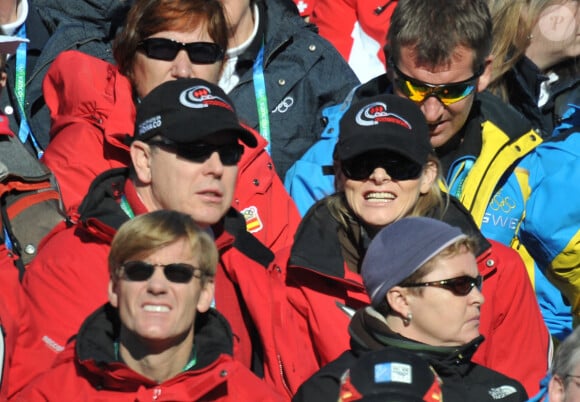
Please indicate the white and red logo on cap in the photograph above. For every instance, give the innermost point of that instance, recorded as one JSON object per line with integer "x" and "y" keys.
{"x": 376, "y": 112}
{"x": 200, "y": 96}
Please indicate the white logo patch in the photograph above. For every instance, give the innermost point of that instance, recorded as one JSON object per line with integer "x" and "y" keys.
{"x": 502, "y": 392}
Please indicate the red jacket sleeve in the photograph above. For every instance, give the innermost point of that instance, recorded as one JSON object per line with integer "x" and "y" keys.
{"x": 517, "y": 342}
{"x": 92, "y": 111}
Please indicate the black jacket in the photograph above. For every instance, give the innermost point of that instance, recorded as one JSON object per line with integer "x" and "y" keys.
{"x": 462, "y": 379}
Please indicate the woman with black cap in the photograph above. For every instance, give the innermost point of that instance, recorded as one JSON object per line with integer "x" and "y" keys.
{"x": 385, "y": 170}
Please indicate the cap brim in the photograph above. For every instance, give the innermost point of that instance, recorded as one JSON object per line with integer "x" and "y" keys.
{"x": 9, "y": 44}
{"x": 363, "y": 145}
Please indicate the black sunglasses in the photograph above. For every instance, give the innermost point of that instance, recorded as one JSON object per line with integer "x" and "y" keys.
{"x": 397, "y": 166}
{"x": 460, "y": 286}
{"x": 167, "y": 49}
{"x": 199, "y": 152}
{"x": 139, "y": 271}
{"x": 417, "y": 90}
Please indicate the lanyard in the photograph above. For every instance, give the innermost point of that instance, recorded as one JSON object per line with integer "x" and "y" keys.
{"x": 261, "y": 98}
{"x": 126, "y": 207}
{"x": 24, "y": 131}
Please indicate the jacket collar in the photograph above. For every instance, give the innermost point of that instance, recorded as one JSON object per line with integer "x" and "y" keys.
{"x": 98, "y": 333}
{"x": 369, "y": 331}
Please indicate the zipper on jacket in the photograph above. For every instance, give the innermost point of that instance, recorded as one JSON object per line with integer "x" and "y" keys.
{"x": 283, "y": 375}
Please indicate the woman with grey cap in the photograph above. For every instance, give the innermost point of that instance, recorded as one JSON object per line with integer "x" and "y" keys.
{"x": 425, "y": 289}
{"x": 385, "y": 170}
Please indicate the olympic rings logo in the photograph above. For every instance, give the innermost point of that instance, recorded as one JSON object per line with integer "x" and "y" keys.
{"x": 285, "y": 105}
{"x": 505, "y": 204}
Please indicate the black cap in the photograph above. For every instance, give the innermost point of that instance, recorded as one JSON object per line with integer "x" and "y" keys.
{"x": 187, "y": 110}
{"x": 384, "y": 122}
{"x": 390, "y": 374}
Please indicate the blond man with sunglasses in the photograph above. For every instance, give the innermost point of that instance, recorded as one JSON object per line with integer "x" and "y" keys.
{"x": 158, "y": 337}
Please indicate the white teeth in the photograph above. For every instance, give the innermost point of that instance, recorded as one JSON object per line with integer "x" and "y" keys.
{"x": 379, "y": 196}
{"x": 155, "y": 308}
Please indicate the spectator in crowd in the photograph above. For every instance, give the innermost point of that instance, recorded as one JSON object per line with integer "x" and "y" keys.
{"x": 361, "y": 34}
{"x": 564, "y": 385}
{"x": 158, "y": 337}
{"x": 426, "y": 297}
{"x": 385, "y": 170}
{"x": 52, "y": 26}
{"x": 535, "y": 69}
{"x": 390, "y": 374}
{"x": 444, "y": 65}
{"x": 93, "y": 109}
{"x": 25, "y": 218}
{"x": 280, "y": 74}
{"x": 184, "y": 157}
{"x": 536, "y": 45}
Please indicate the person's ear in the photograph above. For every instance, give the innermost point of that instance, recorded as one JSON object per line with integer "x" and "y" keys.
{"x": 206, "y": 296}
{"x": 3, "y": 78}
{"x": 397, "y": 297}
{"x": 556, "y": 389}
{"x": 141, "y": 158}
{"x": 485, "y": 78}
{"x": 113, "y": 293}
{"x": 430, "y": 173}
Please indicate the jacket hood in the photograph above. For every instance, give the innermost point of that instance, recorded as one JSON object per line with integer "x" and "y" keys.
{"x": 100, "y": 212}
{"x": 108, "y": 14}
{"x": 96, "y": 337}
{"x": 317, "y": 246}
{"x": 369, "y": 331}
{"x": 97, "y": 94}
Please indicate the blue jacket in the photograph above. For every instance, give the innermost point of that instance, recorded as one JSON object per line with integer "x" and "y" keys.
{"x": 303, "y": 74}
{"x": 550, "y": 229}
{"x": 496, "y": 140}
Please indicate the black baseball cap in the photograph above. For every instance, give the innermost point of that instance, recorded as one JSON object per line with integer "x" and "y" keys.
{"x": 387, "y": 122}
{"x": 186, "y": 111}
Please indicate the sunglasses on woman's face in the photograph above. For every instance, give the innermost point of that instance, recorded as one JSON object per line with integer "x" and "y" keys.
{"x": 418, "y": 91}
{"x": 460, "y": 286}
{"x": 199, "y": 152}
{"x": 167, "y": 49}
{"x": 397, "y": 166}
{"x": 139, "y": 271}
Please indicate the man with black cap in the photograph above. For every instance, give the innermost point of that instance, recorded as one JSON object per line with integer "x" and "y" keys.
{"x": 183, "y": 157}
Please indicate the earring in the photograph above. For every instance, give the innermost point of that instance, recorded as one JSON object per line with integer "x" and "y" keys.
{"x": 408, "y": 319}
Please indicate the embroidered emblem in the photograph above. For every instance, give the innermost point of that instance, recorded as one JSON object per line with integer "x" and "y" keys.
{"x": 376, "y": 112}
{"x": 502, "y": 391}
{"x": 253, "y": 222}
{"x": 285, "y": 105}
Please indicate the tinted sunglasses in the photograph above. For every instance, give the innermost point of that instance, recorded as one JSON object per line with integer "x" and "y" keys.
{"x": 139, "y": 271}
{"x": 460, "y": 286}
{"x": 199, "y": 152}
{"x": 418, "y": 91}
{"x": 167, "y": 49}
{"x": 397, "y": 166}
